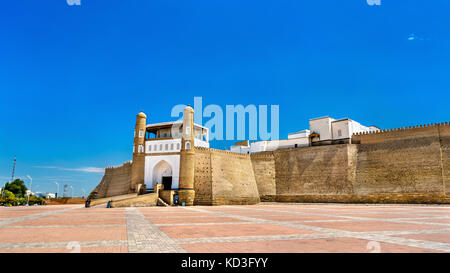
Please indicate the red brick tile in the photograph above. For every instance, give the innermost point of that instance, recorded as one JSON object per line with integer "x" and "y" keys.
{"x": 182, "y": 220}
{"x": 102, "y": 249}
{"x": 331, "y": 245}
{"x": 230, "y": 230}
{"x": 362, "y": 226}
{"x": 434, "y": 237}
{"x": 19, "y": 235}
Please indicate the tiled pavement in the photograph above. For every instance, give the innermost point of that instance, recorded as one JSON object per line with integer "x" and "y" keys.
{"x": 259, "y": 228}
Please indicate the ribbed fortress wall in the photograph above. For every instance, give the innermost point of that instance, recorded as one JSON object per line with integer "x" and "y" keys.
{"x": 407, "y": 165}
{"x": 263, "y": 165}
{"x": 413, "y": 161}
{"x": 321, "y": 170}
{"x": 115, "y": 181}
{"x": 224, "y": 178}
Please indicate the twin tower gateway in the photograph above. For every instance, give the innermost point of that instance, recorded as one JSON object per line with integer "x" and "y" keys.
{"x": 163, "y": 154}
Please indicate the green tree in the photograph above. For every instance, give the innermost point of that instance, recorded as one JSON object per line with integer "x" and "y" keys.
{"x": 17, "y": 187}
{"x": 8, "y": 199}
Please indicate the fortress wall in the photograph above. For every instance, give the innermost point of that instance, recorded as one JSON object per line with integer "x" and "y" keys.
{"x": 203, "y": 178}
{"x": 409, "y": 165}
{"x": 404, "y": 165}
{"x": 444, "y": 133}
{"x": 231, "y": 176}
{"x": 264, "y": 171}
{"x": 313, "y": 173}
{"x": 400, "y": 165}
{"x": 116, "y": 181}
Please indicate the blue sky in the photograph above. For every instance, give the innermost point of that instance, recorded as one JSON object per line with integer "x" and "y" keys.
{"x": 72, "y": 78}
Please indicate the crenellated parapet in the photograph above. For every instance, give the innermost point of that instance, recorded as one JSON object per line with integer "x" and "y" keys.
{"x": 404, "y": 129}
{"x": 217, "y": 151}
{"x": 409, "y": 132}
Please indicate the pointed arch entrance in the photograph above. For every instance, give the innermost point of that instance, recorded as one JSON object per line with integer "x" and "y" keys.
{"x": 162, "y": 167}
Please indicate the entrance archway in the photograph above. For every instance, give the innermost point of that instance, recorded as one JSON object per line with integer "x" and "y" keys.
{"x": 162, "y": 174}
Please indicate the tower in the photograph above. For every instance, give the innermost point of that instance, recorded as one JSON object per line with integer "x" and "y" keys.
{"x": 137, "y": 167}
{"x": 186, "y": 191}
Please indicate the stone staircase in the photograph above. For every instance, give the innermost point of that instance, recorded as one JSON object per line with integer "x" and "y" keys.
{"x": 162, "y": 203}
{"x": 99, "y": 201}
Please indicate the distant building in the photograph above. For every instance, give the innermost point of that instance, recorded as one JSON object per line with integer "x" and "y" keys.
{"x": 322, "y": 131}
{"x": 50, "y": 196}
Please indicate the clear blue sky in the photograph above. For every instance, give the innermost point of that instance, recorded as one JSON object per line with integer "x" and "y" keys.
{"x": 72, "y": 78}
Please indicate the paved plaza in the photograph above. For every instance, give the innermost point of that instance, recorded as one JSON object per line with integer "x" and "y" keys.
{"x": 258, "y": 228}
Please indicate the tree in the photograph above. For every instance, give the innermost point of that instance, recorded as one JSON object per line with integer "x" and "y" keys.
{"x": 8, "y": 199}
{"x": 17, "y": 187}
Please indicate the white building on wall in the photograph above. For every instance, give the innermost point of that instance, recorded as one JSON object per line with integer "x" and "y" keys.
{"x": 326, "y": 130}
{"x": 50, "y": 195}
{"x": 322, "y": 131}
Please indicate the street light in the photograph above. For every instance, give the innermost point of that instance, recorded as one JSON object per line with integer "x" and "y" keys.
{"x": 57, "y": 190}
{"x": 31, "y": 185}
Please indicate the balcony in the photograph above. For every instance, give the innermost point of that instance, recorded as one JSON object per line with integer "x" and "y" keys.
{"x": 163, "y": 145}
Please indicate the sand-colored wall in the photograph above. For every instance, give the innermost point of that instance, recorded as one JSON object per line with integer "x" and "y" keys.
{"x": 409, "y": 165}
{"x": 145, "y": 200}
{"x": 116, "y": 181}
{"x": 263, "y": 165}
{"x": 225, "y": 178}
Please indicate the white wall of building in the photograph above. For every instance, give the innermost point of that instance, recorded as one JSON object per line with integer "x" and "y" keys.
{"x": 301, "y": 134}
{"x": 153, "y": 175}
{"x": 163, "y": 146}
{"x": 200, "y": 143}
{"x": 341, "y": 129}
{"x": 240, "y": 149}
{"x": 321, "y": 126}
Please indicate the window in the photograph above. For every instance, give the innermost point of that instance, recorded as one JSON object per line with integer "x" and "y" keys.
{"x": 167, "y": 147}
{"x": 171, "y": 146}
{"x": 155, "y": 148}
{"x": 141, "y": 133}
{"x": 178, "y": 146}
{"x": 140, "y": 148}
{"x": 149, "y": 148}
{"x": 160, "y": 147}
{"x": 188, "y": 130}
{"x": 339, "y": 132}
{"x": 187, "y": 145}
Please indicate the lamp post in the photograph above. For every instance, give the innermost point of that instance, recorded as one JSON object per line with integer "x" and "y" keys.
{"x": 57, "y": 189}
{"x": 31, "y": 185}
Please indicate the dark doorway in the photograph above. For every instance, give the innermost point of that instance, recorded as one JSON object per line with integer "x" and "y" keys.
{"x": 167, "y": 182}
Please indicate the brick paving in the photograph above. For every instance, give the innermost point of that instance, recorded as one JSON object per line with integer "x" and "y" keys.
{"x": 273, "y": 227}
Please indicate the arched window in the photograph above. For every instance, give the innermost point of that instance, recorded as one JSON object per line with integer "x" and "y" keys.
{"x": 187, "y": 145}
